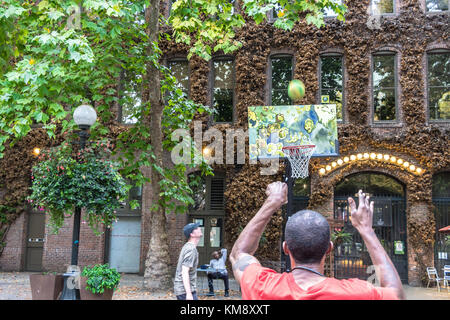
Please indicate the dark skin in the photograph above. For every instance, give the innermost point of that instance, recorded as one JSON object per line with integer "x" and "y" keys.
{"x": 247, "y": 243}
{"x": 216, "y": 255}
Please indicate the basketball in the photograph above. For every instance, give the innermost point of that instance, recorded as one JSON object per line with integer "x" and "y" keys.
{"x": 296, "y": 89}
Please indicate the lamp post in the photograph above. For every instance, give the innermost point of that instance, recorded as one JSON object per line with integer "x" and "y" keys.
{"x": 84, "y": 116}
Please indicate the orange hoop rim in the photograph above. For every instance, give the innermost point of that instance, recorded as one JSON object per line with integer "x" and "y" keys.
{"x": 304, "y": 146}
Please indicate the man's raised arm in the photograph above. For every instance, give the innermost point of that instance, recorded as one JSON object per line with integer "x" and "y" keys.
{"x": 384, "y": 268}
{"x": 247, "y": 243}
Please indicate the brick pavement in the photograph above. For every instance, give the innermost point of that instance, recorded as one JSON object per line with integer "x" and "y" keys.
{"x": 16, "y": 286}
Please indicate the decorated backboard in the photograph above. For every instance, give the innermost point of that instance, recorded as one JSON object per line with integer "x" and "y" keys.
{"x": 273, "y": 127}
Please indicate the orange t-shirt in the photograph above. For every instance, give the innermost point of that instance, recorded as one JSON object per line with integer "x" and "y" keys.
{"x": 259, "y": 283}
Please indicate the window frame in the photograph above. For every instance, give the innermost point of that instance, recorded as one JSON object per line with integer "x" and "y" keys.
{"x": 208, "y": 188}
{"x": 397, "y": 119}
{"x": 394, "y": 7}
{"x": 319, "y": 77}
{"x": 335, "y": 15}
{"x": 269, "y": 72}
{"x": 424, "y": 4}
{"x": 119, "y": 105}
{"x": 127, "y": 211}
{"x": 427, "y": 85}
{"x": 181, "y": 59}
{"x": 211, "y": 87}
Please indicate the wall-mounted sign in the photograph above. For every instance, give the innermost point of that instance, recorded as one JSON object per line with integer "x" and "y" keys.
{"x": 325, "y": 99}
{"x": 399, "y": 247}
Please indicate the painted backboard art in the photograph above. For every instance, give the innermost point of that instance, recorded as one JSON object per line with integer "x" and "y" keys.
{"x": 273, "y": 127}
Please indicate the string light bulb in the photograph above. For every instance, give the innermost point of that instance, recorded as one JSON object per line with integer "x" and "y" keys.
{"x": 374, "y": 156}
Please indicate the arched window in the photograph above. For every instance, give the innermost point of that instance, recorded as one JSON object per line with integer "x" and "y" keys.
{"x": 369, "y": 182}
{"x": 389, "y": 223}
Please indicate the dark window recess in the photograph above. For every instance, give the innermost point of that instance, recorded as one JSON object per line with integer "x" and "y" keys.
{"x": 217, "y": 191}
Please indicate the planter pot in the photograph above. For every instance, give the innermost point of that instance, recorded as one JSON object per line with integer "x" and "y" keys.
{"x": 46, "y": 286}
{"x": 88, "y": 295}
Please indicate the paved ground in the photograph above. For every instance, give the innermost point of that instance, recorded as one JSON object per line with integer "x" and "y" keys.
{"x": 16, "y": 286}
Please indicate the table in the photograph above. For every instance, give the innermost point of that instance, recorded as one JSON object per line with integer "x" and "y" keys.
{"x": 209, "y": 269}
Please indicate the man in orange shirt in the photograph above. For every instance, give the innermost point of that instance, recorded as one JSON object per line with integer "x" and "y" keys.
{"x": 307, "y": 243}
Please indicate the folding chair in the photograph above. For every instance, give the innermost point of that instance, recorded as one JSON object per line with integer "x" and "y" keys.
{"x": 433, "y": 276}
{"x": 447, "y": 277}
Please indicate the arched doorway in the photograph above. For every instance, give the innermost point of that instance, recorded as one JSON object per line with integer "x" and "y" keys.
{"x": 351, "y": 259}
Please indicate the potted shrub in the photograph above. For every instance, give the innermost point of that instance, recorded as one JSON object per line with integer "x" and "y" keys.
{"x": 46, "y": 286}
{"x": 98, "y": 282}
{"x": 339, "y": 237}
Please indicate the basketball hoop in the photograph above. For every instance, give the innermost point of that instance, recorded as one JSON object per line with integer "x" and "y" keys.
{"x": 299, "y": 157}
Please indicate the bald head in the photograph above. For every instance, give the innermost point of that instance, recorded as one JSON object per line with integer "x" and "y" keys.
{"x": 307, "y": 236}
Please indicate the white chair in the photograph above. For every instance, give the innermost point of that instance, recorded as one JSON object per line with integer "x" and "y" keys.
{"x": 433, "y": 276}
{"x": 447, "y": 277}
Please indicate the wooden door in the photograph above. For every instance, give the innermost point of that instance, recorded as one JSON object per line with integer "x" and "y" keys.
{"x": 212, "y": 239}
{"x": 35, "y": 241}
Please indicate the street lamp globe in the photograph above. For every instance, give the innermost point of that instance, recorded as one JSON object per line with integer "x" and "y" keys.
{"x": 84, "y": 116}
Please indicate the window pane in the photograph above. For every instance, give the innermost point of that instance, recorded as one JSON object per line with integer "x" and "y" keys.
{"x": 302, "y": 187}
{"x": 439, "y": 69}
{"x": 333, "y": 97}
{"x": 198, "y": 185}
{"x": 223, "y": 90}
{"x": 437, "y": 5}
{"x": 384, "y": 104}
{"x": 384, "y": 71}
{"x": 276, "y": 10}
{"x": 281, "y": 76}
{"x": 331, "y": 69}
{"x": 180, "y": 71}
{"x": 441, "y": 185}
{"x": 439, "y": 85}
{"x": 331, "y": 82}
{"x": 223, "y": 103}
{"x": 439, "y": 103}
{"x": 130, "y": 97}
{"x": 330, "y": 13}
{"x": 382, "y": 6}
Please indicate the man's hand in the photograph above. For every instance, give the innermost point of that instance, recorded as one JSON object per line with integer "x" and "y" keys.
{"x": 277, "y": 192}
{"x": 361, "y": 218}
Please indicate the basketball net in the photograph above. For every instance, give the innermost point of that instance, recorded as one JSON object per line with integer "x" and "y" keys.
{"x": 299, "y": 157}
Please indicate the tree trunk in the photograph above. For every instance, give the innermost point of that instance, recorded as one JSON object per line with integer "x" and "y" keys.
{"x": 157, "y": 275}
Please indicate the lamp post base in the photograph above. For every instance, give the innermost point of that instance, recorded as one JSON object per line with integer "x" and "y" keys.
{"x": 71, "y": 290}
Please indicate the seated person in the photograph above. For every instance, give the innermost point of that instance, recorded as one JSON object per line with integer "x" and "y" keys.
{"x": 218, "y": 263}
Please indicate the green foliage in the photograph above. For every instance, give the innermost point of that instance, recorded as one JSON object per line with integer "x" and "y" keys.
{"x": 54, "y": 65}
{"x": 209, "y": 26}
{"x": 101, "y": 277}
{"x": 87, "y": 179}
{"x": 339, "y": 236}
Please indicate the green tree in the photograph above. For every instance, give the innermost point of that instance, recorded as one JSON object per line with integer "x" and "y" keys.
{"x": 57, "y": 54}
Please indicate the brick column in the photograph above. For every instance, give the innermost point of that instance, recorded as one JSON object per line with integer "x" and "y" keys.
{"x": 420, "y": 253}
